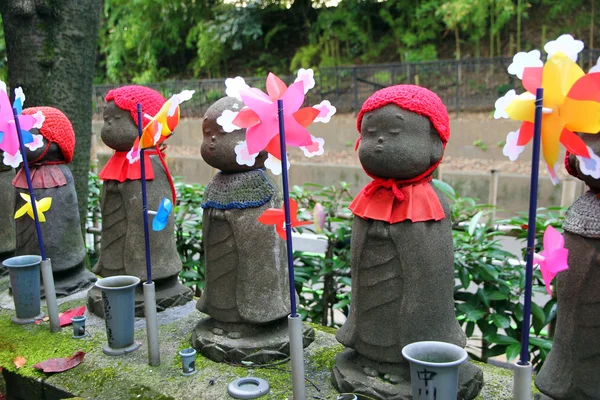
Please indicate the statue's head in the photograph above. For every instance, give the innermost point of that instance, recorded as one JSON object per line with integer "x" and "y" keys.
{"x": 58, "y": 137}
{"x": 573, "y": 164}
{"x": 120, "y": 114}
{"x": 218, "y": 146}
{"x": 404, "y": 130}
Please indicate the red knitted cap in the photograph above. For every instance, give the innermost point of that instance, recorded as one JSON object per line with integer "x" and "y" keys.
{"x": 572, "y": 171}
{"x": 127, "y": 97}
{"x": 56, "y": 129}
{"x": 413, "y": 98}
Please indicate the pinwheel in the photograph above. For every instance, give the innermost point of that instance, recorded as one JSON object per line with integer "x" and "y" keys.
{"x": 160, "y": 126}
{"x": 9, "y": 140}
{"x": 42, "y": 206}
{"x": 553, "y": 258}
{"x": 261, "y": 120}
{"x": 15, "y": 136}
{"x": 571, "y": 102}
{"x": 276, "y": 216}
{"x": 161, "y": 216}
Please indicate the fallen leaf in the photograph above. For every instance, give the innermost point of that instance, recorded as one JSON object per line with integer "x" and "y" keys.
{"x": 66, "y": 317}
{"x": 19, "y": 361}
{"x": 39, "y": 321}
{"x": 60, "y": 364}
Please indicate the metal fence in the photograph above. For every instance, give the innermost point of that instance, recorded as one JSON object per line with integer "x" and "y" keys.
{"x": 472, "y": 84}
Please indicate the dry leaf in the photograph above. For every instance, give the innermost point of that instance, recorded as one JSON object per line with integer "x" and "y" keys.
{"x": 60, "y": 364}
{"x": 19, "y": 361}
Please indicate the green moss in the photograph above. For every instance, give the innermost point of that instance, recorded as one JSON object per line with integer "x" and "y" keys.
{"x": 322, "y": 328}
{"x": 325, "y": 358}
{"x": 35, "y": 343}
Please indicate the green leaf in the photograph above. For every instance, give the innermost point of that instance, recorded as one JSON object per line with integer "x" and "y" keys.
{"x": 513, "y": 351}
{"x": 474, "y": 315}
{"x": 539, "y": 318}
{"x": 470, "y": 329}
{"x": 539, "y": 342}
{"x": 501, "y": 321}
{"x": 501, "y": 339}
{"x": 474, "y": 221}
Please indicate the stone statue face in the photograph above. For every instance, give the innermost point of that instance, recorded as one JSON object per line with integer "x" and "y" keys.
{"x": 592, "y": 141}
{"x": 119, "y": 130}
{"x": 218, "y": 146}
{"x": 397, "y": 143}
{"x": 53, "y": 153}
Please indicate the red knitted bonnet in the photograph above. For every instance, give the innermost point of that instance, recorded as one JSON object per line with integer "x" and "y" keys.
{"x": 570, "y": 169}
{"x": 127, "y": 97}
{"x": 413, "y": 98}
{"x": 56, "y": 129}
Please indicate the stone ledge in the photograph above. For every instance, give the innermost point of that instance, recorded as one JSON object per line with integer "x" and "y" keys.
{"x": 130, "y": 377}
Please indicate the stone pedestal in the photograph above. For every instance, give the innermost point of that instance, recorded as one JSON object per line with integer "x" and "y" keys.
{"x": 169, "y": 293}
{"x": 356, "y": 374}
{"x": 234, "y": 343}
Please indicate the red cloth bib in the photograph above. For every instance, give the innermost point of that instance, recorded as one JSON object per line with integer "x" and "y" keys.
{"x": 393, "y": 200}
{"x": 42, "y": 177}
{"x": 118, "y": 167}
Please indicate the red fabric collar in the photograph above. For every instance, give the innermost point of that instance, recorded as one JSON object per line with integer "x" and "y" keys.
{"x": 394, "y": 200}
{"x": 42, "y": 177}
{"x": 118, "y": 168}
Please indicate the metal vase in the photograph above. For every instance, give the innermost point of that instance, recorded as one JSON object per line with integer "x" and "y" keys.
{"x": 434, "y": 369}
{"x": 188, "y": 361}
{"x": 79, "y": 327}
{"x": 25, "y": 285}
{"x": 118, "y": 296}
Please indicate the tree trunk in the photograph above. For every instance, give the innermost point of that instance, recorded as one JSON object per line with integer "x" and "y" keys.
{"x": 591, "y": 42}
{"x": 51, "y": 51}
{"x": 519, "y": 13}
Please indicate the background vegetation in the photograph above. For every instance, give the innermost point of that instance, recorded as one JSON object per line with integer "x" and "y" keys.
{"x": 154, "y": 40}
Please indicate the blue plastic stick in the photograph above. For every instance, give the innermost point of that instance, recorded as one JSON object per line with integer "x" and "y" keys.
{"x": 38, "y": 228}
{"x": 533, "y": 190}
{"x": 144, "y": 198}
{"x": 286, "y": 202}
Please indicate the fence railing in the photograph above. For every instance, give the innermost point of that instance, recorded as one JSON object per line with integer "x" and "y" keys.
{"x": 471, "y": 84}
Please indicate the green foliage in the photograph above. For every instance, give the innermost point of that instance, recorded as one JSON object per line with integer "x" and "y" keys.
{"x": 495, "y": 306}
{"x": 323, "y": 281}
{"x": 188, "y": 233}
{"x": 3, "y": 59}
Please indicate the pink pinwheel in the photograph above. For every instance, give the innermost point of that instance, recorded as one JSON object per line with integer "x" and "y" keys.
{"x": 9, "y": 141}
{"x": 260, "y": 116}
{"x": 553, "y": 259}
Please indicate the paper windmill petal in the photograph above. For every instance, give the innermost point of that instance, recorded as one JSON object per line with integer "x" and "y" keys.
{"x": 307, "y": 77}
{"x": 12, "y": 160}
{"x": 36, "y": 143}
{"x": 42, "y": 206}
{"x": 243, "y": 156}
{"x": 19, "y": 100}
{"x": 234, "y": 85}
{"x": 245, "y": 118}
{"x": 502, "y": 103}
{"x": 319, "y": 217}
{"x": 590, "y": 165}
{"x": 162, "y": 215}
{"x": 553, "y": 259}
{"x": 305, "y": 116}
{"x": 524, "y": 60}
{"x": 565, "y": 44}
{"x": 274, "y": 165}
{"x": 573, "y": 143}
{"x": 326, "y": 111}
{"x": 596, "y": 68}
{"x": 276, "y": 216}
{"x": 275, "y": 87}
{"x": 511, "y": 149}
{"x": 317, "y": 147}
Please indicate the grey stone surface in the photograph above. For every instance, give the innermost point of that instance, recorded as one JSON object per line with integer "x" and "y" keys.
{"x": 122, "y": 247}
{"x": 63, "y": 240}
{"x": 391, "y": 381}
{"x": 572, "y": 369}
{"x": 402, "y": 273}
{"x": 246, "y": 262}
{"x": 236, "y": 343}
{"x": 172, "y": 294}
{"x": 8, "y": 238}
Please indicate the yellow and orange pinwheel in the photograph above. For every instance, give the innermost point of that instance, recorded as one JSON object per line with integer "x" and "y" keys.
{"x": 41, "y": 206}
{"x": 571, "y": 104}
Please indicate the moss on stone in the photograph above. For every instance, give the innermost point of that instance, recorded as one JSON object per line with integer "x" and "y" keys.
{"x": 35, "y": 343}
{"x": 325, "y": 358}
{"x": 323, "y": 328}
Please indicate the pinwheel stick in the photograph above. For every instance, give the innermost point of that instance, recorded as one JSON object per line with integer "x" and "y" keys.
{"x": 144, "y": 198}
{"x": 46, "y": 265}
{"x": 294, "y": 320}
{"x": 533, "y": 191}
{"x": 149, "y": 287}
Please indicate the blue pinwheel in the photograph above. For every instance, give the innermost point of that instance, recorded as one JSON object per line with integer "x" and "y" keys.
{"x": 161, "y": 216}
